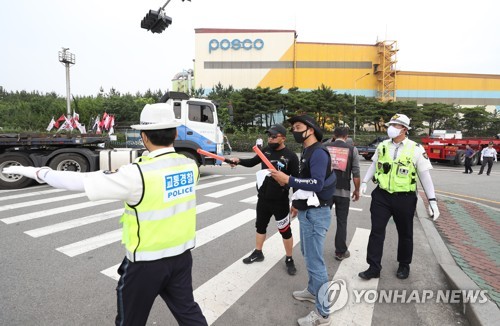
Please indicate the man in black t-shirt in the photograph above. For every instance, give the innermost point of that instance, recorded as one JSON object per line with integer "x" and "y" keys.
{"x": 273, "y": 198}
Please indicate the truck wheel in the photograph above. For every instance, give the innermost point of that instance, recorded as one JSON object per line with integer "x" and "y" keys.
{"x": 14, "y": 181}
{"x": 190, "y": 155}
{"x": 475, "y": 159}
{"x": 460, "y": 158}
{"x": 69, "y": 162}
{"x": 368, "y": 157}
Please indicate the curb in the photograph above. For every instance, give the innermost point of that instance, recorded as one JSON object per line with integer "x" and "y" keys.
{"x": 486, "y": 313}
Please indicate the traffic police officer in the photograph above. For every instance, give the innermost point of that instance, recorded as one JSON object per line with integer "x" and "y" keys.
{"x": 159, "y": 221}
{"x": 397, "y": 164}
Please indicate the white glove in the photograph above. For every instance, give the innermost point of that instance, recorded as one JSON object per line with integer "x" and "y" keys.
{"x": 363, "y": 187}
{"x": 433, "y": 210}
{"x": 26, "y": 171}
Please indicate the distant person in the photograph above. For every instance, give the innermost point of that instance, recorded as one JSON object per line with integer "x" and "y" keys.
{"x": 259, "y": 142}
{"x": 488, "y": 155}
{"x": 397, "y": 163}
{"x": 345, "y": 163}
{"x": 469, "y": 154}
{"x": 272, "y": 197}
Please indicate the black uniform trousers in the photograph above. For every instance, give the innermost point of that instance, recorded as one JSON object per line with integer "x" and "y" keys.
{"x": 141, "y": 282}
{"x": 401, "y": 206}
{"x": 486, "y": 161}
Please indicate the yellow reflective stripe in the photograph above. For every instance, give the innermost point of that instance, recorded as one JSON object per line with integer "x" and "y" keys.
{"x": 168, "y": 212}
{"x": 155, "y": 255}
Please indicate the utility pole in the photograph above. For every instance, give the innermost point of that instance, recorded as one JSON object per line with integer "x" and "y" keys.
{"x": 68, "y": 59}
{"x": 355, "y": 92}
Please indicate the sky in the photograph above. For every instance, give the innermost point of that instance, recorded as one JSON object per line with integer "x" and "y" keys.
{"x": 112, "y": 51}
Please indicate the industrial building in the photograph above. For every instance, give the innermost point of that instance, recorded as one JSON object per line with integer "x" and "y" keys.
{"x": 273, "y": 58}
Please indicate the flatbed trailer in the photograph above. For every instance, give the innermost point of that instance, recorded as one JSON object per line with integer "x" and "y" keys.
{"x": 453, "y": 150}
{"x": 68, "y": 152}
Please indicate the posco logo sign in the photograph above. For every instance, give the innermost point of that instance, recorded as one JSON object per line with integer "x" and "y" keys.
{"x": 235, "y": 44}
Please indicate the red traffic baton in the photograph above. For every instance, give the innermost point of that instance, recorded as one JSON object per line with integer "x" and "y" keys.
{"x": 264, "y": 159}
{"x": 215, "y": 156}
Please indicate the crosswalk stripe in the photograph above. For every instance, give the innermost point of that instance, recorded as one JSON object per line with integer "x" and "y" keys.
{"x": 217, "y": 183}
{"x": 210, "y": 177}
{"x": 40, "y": 202}
{"x": 53, "y": 211}
{"x": 220, "y": 292}
{"x": 30, "y": 194}
{"x": 250, "y": 200}
{"x": 89, "y": 244}
{"x": 206, "y": 207}
{"x": 35, "y": 233}
{"x": 232, "y": 190}
{"x": 21, "y": 189}
{"x": 206, "y": 234}
{"x": 355, "y": 313}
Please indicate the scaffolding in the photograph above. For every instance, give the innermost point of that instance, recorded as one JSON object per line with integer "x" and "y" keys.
{"x": 386, "y": 70}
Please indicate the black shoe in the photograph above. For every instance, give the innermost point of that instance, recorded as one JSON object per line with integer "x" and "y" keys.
{"x": 256, "y": 255}
{"x": 369, "y": 274}
{"x": 403, "y": 272}
{"x": 290, "y": 266}
{"x": 479, "y": 173}
{"x": 466, "y": 172}
{"x": 341, "y": 256}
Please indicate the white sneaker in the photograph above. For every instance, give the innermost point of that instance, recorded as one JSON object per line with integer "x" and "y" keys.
{"x": 313, "y": 319}
{"x": 304, "y": 295}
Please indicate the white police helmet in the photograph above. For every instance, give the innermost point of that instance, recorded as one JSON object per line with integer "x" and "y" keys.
{"x": 399, "y": 119}
{"x": 157, "y": 116}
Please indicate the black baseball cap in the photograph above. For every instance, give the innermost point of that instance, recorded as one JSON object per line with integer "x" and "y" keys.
{"x": 310, "y": 122}
{"x": 276, "y": 129}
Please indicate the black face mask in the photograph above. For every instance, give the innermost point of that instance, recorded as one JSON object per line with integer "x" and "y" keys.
{"x": 273, "y": 146}
{"x": 299, "y": 136}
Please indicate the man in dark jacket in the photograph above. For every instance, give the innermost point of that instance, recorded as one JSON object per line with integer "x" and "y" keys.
{"x": 273, "y": 198}
{"x": 345, "y": 162}
{"x": 315, "y": 186}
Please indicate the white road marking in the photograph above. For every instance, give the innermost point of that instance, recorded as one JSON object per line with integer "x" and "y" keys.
{"x": 53, "y": 211}
{"x": 355, "y": 313}
{"x": 220, "y": 292}
{"x": 40, "y": 202}
{"x": 217, "y": 183}
{"x": 205, "y": 235}
{"x": 89, "y": 244}
{"x": 250, "y": 200}
{"x": 35, "y": 233}
{"x": 30, "y": 194}
{"x": 230, "y": 191}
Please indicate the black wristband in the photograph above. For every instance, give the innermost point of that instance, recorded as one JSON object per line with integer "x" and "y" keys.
{"x": 432, "y": 199}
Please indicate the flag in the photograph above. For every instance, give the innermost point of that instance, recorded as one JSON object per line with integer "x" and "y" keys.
{"x": 58, "y": 121}
{"x": 67, "y": 125}
{"x": 107, "y": 120}
{"x": 97, "y": 122}
{"x": 51, "y": 124}
{"x": 111, "y": 125}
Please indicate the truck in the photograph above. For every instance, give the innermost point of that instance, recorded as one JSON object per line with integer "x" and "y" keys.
{"x": 90, "y": 152}
{"x": 450, "y": 147}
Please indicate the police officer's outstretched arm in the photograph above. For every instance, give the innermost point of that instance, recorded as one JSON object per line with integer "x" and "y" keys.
{"x": 423, "y": 167}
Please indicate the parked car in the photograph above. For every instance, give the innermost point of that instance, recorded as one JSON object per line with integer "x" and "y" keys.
{"x": 368, "y": 150}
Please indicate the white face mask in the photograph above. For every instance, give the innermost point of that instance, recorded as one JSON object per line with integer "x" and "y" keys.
{"x": 393, "y": 132}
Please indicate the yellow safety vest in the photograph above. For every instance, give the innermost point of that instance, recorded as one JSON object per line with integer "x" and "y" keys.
{"x": 163, "y": 223}
{"x": 398, "y": 175}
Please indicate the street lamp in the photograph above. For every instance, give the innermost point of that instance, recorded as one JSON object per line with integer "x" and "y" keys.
{"x": 67, "y": 58}
{"x": 354, "y": 124}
